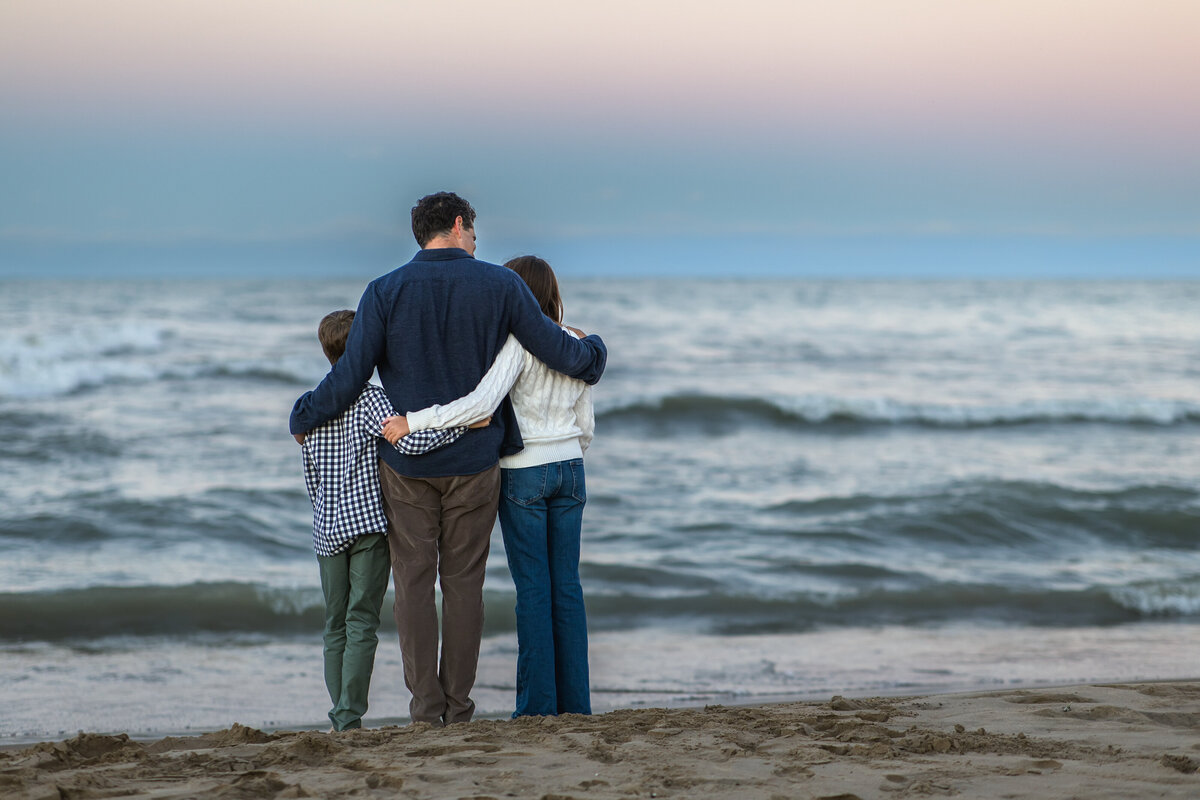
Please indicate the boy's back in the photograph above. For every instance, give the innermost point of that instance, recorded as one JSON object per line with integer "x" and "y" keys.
{"x": 341, "y": 471}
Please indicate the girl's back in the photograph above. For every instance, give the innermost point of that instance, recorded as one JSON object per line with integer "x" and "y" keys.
{"x": 554, "y": 413}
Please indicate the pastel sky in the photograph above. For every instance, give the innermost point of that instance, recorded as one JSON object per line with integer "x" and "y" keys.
{"x": 874, "y": 137}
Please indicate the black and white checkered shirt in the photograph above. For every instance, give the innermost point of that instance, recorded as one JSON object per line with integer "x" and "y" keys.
{"x": 341, "y": 470}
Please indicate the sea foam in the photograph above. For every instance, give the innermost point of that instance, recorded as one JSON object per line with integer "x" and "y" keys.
{"x": 55, "y": 362}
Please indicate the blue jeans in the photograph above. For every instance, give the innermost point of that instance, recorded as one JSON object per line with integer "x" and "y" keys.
{"x": 541, "y": 514}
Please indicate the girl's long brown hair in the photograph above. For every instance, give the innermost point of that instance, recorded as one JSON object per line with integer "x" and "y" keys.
{"x": 540, "y": 279}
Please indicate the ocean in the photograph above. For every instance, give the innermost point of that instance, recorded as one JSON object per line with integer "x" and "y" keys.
{"x": 797, "y": 489}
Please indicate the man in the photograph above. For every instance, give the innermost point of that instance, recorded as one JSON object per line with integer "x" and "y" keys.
{"x": 432, "y": 328}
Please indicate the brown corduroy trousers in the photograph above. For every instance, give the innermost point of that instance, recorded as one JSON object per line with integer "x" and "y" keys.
{"x": 439, "y": 529}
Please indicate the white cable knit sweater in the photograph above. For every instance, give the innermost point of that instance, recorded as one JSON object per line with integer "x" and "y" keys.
{"x": 554, "y": 412}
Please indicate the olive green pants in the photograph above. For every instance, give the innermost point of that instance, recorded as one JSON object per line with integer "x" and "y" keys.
{"x": 354, "y": 582}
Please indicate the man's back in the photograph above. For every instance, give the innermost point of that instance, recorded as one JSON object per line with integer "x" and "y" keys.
{"x": 447, "y": 318}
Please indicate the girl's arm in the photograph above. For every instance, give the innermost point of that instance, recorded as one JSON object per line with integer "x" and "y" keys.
{"x": 476, "y": 406}
{"x": 377, "y": 409}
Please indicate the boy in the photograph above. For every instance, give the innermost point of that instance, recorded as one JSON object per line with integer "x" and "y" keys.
{"x": 341, "y": 471}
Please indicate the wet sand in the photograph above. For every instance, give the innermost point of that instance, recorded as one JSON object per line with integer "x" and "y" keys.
{"x": 1097, "y": 741}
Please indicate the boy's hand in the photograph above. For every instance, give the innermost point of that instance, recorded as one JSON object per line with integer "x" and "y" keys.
{"x": 395, "y": 428}
{"x": 483, "y": 423}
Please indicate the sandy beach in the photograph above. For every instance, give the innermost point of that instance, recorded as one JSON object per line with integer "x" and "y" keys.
{"x": 1089, "y": 741}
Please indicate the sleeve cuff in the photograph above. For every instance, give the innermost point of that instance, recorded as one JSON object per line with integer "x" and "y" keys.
{"x": 422, "y": 420}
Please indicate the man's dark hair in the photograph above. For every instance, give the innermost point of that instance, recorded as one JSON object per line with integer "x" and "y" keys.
{"x": 332, "y": 333}
{"x": 434, "y": 214}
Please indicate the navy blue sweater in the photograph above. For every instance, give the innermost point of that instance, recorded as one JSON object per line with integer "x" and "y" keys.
{"x": 433, "y": 328}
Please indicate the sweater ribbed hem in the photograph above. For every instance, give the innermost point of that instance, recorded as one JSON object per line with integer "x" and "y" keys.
{"x": 538, "y": 453}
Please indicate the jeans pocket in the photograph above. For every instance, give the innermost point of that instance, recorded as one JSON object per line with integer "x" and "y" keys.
{"x": 578, "y": 485}
{"x": 526, "y": 485}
